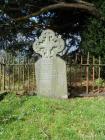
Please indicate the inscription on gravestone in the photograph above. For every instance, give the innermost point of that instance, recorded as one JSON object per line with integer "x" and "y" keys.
{"x": 50, "y": 70}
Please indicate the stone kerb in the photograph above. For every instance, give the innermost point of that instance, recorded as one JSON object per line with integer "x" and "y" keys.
{"x": 50, "y": 70}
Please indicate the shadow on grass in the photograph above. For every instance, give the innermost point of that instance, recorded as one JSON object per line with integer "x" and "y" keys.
{"x": 2, "y": 95}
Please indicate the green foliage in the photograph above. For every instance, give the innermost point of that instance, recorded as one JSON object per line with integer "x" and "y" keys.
{"x": 93, "y": 36}
{"x": 37, "y": 118}
{"x": 99, "y": 82}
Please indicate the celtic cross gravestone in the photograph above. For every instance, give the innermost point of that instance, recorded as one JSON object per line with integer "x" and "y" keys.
{"x": 50, "y": 69}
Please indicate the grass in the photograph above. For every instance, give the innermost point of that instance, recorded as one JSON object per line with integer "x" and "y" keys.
{"x": 38, "y": 118}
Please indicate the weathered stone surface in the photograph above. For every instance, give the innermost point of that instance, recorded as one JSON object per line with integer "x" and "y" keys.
{"x": 48, "y": 45}
{"x": 50, "y": 69}
{"x": 51, "y": 77}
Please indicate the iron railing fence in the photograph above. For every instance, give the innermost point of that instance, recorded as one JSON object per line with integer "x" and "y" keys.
{"x": 84, "y": 74}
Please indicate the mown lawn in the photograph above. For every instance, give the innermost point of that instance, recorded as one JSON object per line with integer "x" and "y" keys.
{"x": 38, "y": 118}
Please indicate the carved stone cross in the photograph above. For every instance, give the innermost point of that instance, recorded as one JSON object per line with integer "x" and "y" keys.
{"x": 48, "y": 45}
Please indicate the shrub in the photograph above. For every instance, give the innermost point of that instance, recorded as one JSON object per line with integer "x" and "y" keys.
{"x": 99, "y": 82}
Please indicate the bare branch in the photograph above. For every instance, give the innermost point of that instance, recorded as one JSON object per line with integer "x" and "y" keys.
{"x": 89, "y": 8}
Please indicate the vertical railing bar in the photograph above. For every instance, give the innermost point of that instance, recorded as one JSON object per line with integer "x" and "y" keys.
{"x": 77, "y": 69}
{"x": 74, "y": 67}
{"x": 76, "y": 56}
{"x": 81, "y": 70}
{"x": 23, "y": 72}
{"x": 99, "y": 73}
{"x": 93, "y": 73}
{"x": 28, "y": 75}
{"x": 75, "y": 74}
{"x": 18, "y": 72}
{"x": 34, "y": 77}
{"x": 13, "y": 73}
{"x": 3, "y": 75}
{"x": 70, "y": 76}
{"x": 87, "y": 74}
{"x": 69, "y": 64}
{"x": 0, "y": 75}
{"x": 9, "y": 71}
{"x": 5, "y": 72}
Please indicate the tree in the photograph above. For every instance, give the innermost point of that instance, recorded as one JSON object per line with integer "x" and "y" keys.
{"x": 93, "y": 37}
{"x": 28, "y": 18}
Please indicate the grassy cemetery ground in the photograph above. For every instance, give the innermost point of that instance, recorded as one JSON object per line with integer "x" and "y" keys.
{"x": 38, "y": 118}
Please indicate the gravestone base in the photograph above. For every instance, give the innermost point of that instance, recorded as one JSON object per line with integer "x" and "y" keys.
{"x": 51, "y": 79}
